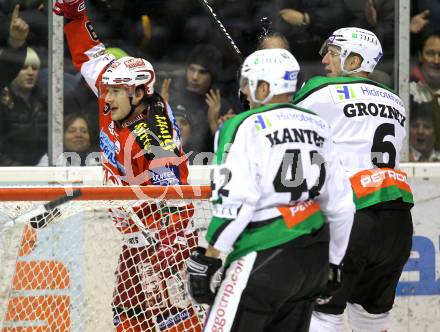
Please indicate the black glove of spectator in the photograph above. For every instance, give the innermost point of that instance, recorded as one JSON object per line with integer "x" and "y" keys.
{"x": 334, "y": 283}
{"x": 200, "y": 271}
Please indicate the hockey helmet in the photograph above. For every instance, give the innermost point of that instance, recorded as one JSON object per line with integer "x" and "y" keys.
{"x": 355, "y": 40}
{"x": 130, "y": 72}
{"x": 276, "y": 66}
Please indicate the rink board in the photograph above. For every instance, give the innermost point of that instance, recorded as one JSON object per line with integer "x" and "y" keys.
{"x": 417, "y": 306}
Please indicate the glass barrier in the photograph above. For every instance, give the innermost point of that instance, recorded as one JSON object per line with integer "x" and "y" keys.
{"x": 24, "y": 72}
{"x": 197, "y": 64}
{"x": 424, "y": 86}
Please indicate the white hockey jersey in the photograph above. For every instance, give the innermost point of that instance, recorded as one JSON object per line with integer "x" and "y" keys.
{"x": 275, "y": 173}
{"x": 368, "y": 127}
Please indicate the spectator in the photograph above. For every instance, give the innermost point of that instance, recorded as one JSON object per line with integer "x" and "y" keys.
{"x": 419, "y": 21}
{"x": 373, "y": 15}
{"x": 378, "y": 17}
{"x": 23, "y": 117}
{"x": 198, "y": 95}
{"x": 425, "y": 80}
{"x": 273, "y": 40}
{"x": 306, "y": 24}
{"x": 12, "y": 55}
{"x": 422, "y": 136}
{"x": 78, "y": 147}
{"x": 425, "y": 16}
{"x": 18, "y": 29}
{"x": 33, "y": 22}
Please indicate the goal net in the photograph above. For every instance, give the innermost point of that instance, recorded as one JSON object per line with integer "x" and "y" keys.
{"x": 112, "y": 256}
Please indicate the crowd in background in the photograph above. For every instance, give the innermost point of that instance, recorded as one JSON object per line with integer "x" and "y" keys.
{"x": 195, "y": 67}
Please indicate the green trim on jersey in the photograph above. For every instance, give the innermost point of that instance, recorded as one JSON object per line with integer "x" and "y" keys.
{"x": 319, "y": 82}
{"x": 216, "y": 226}
{"x": 272, "y": 235}
{"x": 265, "y": 236}
{"x": 230, "y": 127}
{"x": 386, "y": 194}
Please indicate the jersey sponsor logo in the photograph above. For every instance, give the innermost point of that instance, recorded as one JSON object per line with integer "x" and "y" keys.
{"x": 223, "y": 311}
{"x": 143, "y": 134}
{"x": 165, "y": 137}
{"x": 134, "y": 63}
{"x": 166, "y": 323}
{"x": 369, "y": 181}
{"x": 371, "y": 91}
{"x": 261, "y": 122}
{"x": 294, "y": 135}
{"x": 130, "y": 122}
{"x": 374, "y": 109}
{"x": 293, "y": 215}
{"x": 165, "y": 176}
{"x": 110, "y": 150}
{"x": 91, "y": 31}
{"x": 345, "y": 92}
{"x": 300, "y": 116}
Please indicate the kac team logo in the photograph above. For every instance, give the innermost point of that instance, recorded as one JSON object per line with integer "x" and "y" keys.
{"x": 345, "y": 92}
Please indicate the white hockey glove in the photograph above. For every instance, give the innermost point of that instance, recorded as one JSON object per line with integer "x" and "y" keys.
{"x": 200, "y": 270}
{"x": 334, "y": 283}
{"x": 70, "y": 9}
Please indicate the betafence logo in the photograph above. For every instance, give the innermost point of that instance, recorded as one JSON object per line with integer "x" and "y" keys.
{"x": 423, "y": 263}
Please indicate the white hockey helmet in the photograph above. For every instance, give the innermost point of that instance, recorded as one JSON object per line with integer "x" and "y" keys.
{"x": 276, "y": 66}
{"x": 130, "y": 72}
{"x": 355, "y": 40}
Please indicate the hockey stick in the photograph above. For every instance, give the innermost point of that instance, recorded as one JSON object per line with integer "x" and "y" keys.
{"x": 43, "y": 214}
{"x": 221, "y": 27}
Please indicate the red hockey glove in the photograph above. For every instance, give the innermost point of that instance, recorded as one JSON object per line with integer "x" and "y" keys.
{"x": 200, "y": 270}
{"x": 70, "y": 9}
{"x": 334, "y": 283}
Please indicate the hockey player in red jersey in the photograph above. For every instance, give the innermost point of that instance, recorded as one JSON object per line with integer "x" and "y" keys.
{"x": 140, "y": 146}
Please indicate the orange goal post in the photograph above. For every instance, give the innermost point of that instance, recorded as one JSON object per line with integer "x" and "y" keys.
{"x": 110, "y": 253}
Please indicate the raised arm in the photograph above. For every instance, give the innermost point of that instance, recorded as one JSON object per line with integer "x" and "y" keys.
{"x": 88, "y": 53}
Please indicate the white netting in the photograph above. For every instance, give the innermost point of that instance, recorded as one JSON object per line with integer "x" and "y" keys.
{"x": 98, "y": 263}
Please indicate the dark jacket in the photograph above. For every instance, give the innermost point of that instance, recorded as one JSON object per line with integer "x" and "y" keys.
{"x": 384, "y": 30}
{"x": 325, "y": 17}
{"x": 195, "y": 106}
{"x": 23, "y": 135}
